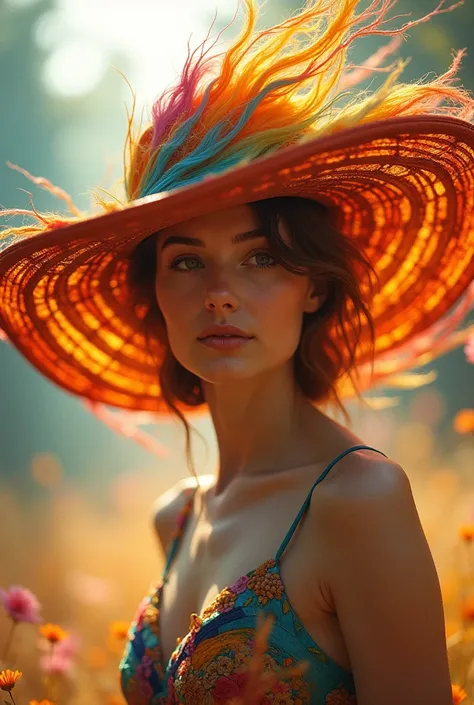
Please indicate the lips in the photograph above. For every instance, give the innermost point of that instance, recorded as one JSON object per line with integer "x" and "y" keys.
{"x": 224, "y": 336}
{"x": 225, "y": 331}
{"x": 225, "y": 342}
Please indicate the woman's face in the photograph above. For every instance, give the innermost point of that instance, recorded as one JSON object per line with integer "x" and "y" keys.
{"x": 217, "y": 270}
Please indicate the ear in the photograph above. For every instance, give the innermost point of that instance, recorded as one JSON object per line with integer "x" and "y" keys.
{"x": 315, "y": 296}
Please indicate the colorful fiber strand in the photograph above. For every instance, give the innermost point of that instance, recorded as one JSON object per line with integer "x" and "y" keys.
{"x": 268, "y": 90}
{"x": 277, "y": 87}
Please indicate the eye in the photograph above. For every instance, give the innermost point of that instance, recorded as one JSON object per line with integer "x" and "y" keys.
{"x": 175, "y": 264}
{"x": 263, "y": 259}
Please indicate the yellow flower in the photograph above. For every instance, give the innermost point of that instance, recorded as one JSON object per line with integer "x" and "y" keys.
{"x": 466, "y": 532}
{"x": 119, "y": 630}
{"x": 41, "y": 702}
{"x": 8, "y": 679}
{"x": 53, "y": 633}
{"x": 459, "y": 694}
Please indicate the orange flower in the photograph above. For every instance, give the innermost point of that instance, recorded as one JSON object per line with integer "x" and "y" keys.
{"x": 119, "y": 630}
{"x": 464, "y": 421}
{"x": 459, "y": 694}
{"x": 53, "y": 633}
{"x": 41, "y": 702}
{"x": 466, "y": 532}
{"x": 467, "y": 610}
{"x": 8, "y": 679}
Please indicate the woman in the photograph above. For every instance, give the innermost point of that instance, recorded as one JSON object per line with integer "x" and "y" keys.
{"x": 348, "y": 593}
{"x": 306, "y": 244}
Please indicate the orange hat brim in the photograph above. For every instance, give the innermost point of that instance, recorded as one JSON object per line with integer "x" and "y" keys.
{"x": 403, "y": 188}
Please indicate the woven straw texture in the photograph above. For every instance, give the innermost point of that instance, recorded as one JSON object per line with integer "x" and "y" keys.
{"x": 404, "y": 189}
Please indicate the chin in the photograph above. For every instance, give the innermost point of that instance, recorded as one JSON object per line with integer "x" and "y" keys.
{"x": 224, "y": 370}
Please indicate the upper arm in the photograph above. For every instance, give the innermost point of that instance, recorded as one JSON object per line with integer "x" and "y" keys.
{"x": 384, "y": 586}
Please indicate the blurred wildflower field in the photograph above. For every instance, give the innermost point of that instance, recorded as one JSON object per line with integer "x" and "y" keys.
{"x": 72, "y": 577}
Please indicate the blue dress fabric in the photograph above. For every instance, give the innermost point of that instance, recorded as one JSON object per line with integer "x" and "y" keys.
{"x": 208, "y": 665}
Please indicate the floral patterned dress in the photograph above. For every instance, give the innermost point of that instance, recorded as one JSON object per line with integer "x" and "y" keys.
{"x": 208, "y": 665}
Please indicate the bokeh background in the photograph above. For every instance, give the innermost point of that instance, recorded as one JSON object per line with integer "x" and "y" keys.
{"x": 75, "y": 496}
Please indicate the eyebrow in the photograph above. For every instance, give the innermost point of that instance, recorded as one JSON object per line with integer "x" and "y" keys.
{"x": 196, "y": 242}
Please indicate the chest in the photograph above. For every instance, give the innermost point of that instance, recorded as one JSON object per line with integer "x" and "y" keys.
{"x": 213, "y": 556}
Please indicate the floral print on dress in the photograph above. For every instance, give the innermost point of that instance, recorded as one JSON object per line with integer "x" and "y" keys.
{"x": 340, "y": 697}
{"x": 217, "y": 671}
{"x": 265, "y": 586}
{"x": 209, "y": 665}
{"x": 141, "y": 667}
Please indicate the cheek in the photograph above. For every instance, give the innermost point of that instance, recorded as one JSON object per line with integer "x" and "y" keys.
{"x": 178, "y": 308}
{"x": 280, "y": 314}
{"x": 175, "y": 302}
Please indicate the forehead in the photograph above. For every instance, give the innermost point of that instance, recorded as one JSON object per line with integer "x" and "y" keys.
{"x": 228, "y": 221}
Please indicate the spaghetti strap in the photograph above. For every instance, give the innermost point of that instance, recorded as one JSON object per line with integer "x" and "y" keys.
{"x": 181, "y": 522}
{"x": 305, "y": 505}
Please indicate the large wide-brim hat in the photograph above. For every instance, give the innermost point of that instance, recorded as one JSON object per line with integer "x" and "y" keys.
{"x": 401, "y": 187}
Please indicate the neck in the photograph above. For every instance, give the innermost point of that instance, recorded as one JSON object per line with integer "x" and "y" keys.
{"x": 263, "y": 425}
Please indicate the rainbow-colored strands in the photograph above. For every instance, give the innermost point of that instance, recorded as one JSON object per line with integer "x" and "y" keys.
{"x": 272, "y": 91}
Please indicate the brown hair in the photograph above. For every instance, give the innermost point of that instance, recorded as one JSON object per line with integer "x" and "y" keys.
{"x": 316, "y": 249}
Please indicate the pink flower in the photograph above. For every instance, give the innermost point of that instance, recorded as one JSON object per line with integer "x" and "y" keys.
{"x": 469, "y": 349}
{"x": 88, "y": 589}
{"x": 240, "y": 585}
{"x": 67, "y": 648}
{"x": 227, "y": 687}
{"x": 20, "y": 604}
{"x": 56, "y": 664}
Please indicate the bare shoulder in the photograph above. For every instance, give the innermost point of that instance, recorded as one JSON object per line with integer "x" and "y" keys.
{"x": 364, "y": 489}
{"x": 167, "y": 506}
{"x": 365, "y": 495}
{"x": 377, "y": 569}
{"x": 359, "y": 477}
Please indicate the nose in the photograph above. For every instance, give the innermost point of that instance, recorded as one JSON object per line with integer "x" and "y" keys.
{"x": 219, "y": 297}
